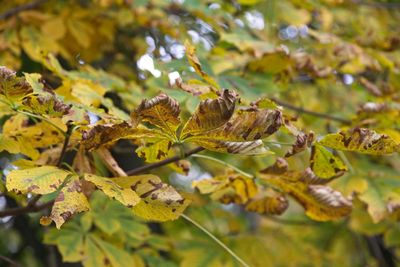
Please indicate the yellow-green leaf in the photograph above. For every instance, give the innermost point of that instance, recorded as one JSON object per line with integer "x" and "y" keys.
{"x": 361, "y": 140}
{"x": 324, "y": 164}
{"x": 271, "y": 205}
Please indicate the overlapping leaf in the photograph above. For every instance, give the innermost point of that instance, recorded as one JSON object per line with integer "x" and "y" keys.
{"x": 159, "y": 201}
{"x": 270, "y": 205}
{"x": 361, "y": 140}
{"x": 228, "y": 188}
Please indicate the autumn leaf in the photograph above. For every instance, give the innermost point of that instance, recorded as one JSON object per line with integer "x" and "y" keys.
{"x": 361, "y": 140}
{"x": 126, "y": 196}
{"x": 270, "y": 205}
{"x": 11, "y": 86}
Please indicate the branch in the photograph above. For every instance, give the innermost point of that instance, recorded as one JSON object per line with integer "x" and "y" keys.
{"x": 14, "y": 11}
{"x": 27, "y": 209}
{"x": 163, "y": 162}
{"x": 312, "y": 113}
{"x": 10, "y": 261}
{"x": 65, "y": 145}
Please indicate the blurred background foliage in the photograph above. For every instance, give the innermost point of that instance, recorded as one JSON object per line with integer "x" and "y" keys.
{"x": 334, "y": 57}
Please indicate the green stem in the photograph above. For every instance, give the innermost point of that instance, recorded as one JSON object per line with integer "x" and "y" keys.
{"x": 278, "y": 143}
{"x": 223, "y": 163}
{"x": 213, "y": 237}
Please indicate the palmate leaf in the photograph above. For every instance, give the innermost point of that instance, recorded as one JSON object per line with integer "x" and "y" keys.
{"x": 324, "y": 164}
{"x": 321, "y": 202}
{"x": 228, "y": 188}
{"x": 361, "y": 140}
{"x": 45, "y": 104}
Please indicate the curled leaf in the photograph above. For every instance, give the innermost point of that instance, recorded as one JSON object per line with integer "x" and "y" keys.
{"x": 11, "y": 86}
{"x": 271, "y": 205}
{"x": 161, "y": 111}
{"x": 210, "y": 114}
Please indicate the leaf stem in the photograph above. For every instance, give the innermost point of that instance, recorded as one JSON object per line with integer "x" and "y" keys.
{"x": 163, "y": 162}
{"x": 213, "y": 237}
{"x": 224, "y": 163}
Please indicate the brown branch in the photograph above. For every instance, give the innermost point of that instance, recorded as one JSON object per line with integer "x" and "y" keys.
{"x": 312, "y": 113}
{"x": 14, "y": 11}
{"x": 10, "y": 261}
{"x": 163, "y": 162}
{"x": 27, "y": 209}
{"x": 65, "y": 145}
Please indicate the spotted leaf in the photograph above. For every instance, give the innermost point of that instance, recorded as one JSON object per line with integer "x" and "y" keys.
{"x": 361, "y": 140}
{"x": 126, "y": 196}
{"x": 159, "y": 201}
{"x": 271, "y": 205}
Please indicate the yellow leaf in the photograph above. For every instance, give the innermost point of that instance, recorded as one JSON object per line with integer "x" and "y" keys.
{"x": 161, "y": 111}
{"x": 211, "y": 114}
{"x": 11, "y": 86}
{"x": 87, "y": 92}
{"x": 54, "y": 28}
{"x": 195, "y": 63}
{"x": 324, "y": 164}
{"x": 40, "y": 180}
{"x": 126, "y": 196}
{"x": 160, "y": 201}
{"x": 361, "y": 140}
{"x": 228, "y": 188}
{"x": 69, "y": 201}
{"x": 45, "y": 104}
{"x": 273, "y": 62}
{"x": 156, "y": 151}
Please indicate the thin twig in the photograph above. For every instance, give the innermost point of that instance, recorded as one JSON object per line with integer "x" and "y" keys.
{"x": 10, "y": 261}
{"x": 65, "y": 145}
{"x": 312, "y": 113}
{"x": 14, "y": 11}
{"x": 163, "y": 162}
{"x": 26, "y": 209}
{"x": 225, "y": 164}
{"x": 213, "y": 237}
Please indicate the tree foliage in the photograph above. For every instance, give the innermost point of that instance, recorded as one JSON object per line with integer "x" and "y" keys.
{"x": 200, "y": 133}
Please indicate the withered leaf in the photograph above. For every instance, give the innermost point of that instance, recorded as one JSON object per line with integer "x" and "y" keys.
{"x": 161, "y": 111}
{"x": 321, "y": 202}
{"x": 270, "y": 205}
{"x": 11, "y": 86}
{"x": 211, "y": 114}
